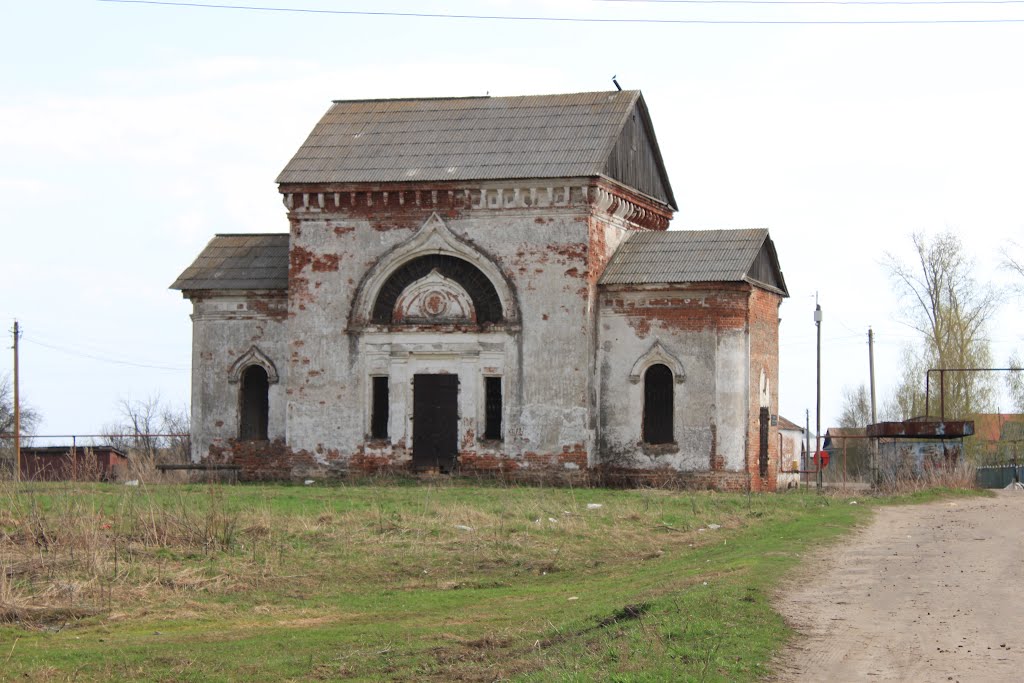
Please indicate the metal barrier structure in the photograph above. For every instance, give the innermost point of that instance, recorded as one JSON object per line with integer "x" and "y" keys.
{"x": 998, "y": 476}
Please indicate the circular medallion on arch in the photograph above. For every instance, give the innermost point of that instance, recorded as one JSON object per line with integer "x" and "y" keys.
{"x": 437, "y": 289}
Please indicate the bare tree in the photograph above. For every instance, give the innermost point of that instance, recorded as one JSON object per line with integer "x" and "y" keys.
{"x": 150, "y": 431}
{"x": 907, "y": 399}
{"x": 856, "y": 415}
{"x": 1014, "y": 263}
{"x": 951, "y": 311}
{"x": 1015, "y": 382}
{"x": 856, "y": 407}
{"x": 29, "y": 419}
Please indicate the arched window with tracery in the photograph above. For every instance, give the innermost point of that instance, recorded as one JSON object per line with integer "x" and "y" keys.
{"x": 437, "y": 289}
{"x": 254, "y": 404}
{"x": 659, "y": 402}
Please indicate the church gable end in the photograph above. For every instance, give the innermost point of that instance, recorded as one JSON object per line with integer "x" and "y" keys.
{"x": 635, "y": 160}
{"x": 765, "y": 268}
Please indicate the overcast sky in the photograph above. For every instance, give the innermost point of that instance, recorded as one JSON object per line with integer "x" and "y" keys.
{"x": 131, "y": 133}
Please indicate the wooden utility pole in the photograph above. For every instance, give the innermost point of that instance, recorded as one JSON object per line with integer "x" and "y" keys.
{"x": 17, "y": 410}
{"x": 874, "y": 414}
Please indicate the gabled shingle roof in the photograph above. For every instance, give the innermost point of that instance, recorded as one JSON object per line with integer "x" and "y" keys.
{"x": 258, "y": 261}
{"x": 789, "y": 424}
{"x": 678, "y": 256}
{"x": 484, "y": 138}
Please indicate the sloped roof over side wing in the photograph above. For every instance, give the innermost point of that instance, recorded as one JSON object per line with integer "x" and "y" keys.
{"x": 254, "y": 261}
{"x": 679, "y": 256}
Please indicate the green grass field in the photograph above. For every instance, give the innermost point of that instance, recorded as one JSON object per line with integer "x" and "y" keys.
{"x": 445, "y": 581}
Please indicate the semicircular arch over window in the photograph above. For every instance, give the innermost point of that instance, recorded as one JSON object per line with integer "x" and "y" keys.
{"x": 442, "y": 279}
{"x": 462, "y": 284}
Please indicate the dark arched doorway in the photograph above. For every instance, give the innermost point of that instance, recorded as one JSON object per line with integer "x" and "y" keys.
{"x": 254, "y": 404}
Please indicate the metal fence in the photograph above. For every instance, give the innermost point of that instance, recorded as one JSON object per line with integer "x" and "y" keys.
{"x": 998, "y": 476}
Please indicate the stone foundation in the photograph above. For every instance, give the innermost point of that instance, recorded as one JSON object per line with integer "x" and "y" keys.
{"x": 275, "y": 461}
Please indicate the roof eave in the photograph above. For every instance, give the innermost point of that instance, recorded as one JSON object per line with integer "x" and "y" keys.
{"x": 629, "y": 188}
{"x": 765, "y": 286}
{"x": 190, "y": 292}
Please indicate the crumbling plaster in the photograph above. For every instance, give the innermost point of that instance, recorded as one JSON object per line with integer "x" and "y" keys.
{"x": 226, "y": 326}
{"x": 710, "y": 406}
{"x": 538, "y": 258}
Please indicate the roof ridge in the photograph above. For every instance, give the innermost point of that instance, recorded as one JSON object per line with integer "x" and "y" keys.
{"x": 482, "y": 97}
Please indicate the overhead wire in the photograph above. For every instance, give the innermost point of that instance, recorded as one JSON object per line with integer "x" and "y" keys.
{"x": 103, "y": 359}
{"x": 819, "y": 2}
{"x": 591, "y": 20}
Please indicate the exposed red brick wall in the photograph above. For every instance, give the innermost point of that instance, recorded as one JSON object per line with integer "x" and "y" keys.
{"x": 275, "y": 461}
{"x": 260, "y": 460}
{"x": 764, "y": 353}
{"x": 723, "y": 308}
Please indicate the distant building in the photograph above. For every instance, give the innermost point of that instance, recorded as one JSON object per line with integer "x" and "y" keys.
{"x": 791, "y": 452}
{"x": 487, "y": 283}
{"x": 998, "y": 437}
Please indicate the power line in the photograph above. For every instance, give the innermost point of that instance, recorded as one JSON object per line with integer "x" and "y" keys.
{"x": 81, "y": 354}
{"x": 924, "y": 3}
{"x": 589, "y": 20}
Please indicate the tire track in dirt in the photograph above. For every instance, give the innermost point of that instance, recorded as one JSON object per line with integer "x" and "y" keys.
{"x": 931, "y": 592}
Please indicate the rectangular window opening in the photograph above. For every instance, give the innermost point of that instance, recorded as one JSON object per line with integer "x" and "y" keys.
{"x": 492, "y": 408}
{"x": 762, "y": 451}
{"x": 381, "y": 408}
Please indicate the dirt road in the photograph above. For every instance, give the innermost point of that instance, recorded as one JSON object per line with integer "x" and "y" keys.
{"x": 925, "y": 593}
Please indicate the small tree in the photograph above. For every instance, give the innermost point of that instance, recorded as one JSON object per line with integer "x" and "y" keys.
{"x": 951, "y": 311}
{"x": 150, "y": 432}
{"x": 29, "y": 419}
{"x": 856, "y": 407}
{"x": 856, "y": 414}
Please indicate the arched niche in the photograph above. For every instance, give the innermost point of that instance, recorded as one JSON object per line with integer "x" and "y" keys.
{"x": 434, "y": 248}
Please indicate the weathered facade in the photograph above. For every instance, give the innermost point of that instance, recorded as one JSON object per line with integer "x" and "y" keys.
{"x": 484, "y": 284}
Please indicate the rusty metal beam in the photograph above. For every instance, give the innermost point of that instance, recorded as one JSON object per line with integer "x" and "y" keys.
{"x": 924, "y": 429}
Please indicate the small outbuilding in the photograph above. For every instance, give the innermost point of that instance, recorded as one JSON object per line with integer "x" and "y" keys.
{"x": 75, "y": 463}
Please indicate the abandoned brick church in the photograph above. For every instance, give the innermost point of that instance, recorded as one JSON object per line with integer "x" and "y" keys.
{"x": 487, "y": 283}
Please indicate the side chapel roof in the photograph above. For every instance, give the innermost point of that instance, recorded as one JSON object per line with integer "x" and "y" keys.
{"x": 485, "y": 138}
{"x": 256, "y": 261}
{"x": 677, "y": 256}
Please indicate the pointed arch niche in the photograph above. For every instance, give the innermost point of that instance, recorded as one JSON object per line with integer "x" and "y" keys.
{"x": 252, "y": 357}
{"x": 253, "y": 372}
{"x": 432, "y": 271}
{"x": 657, "y": 354}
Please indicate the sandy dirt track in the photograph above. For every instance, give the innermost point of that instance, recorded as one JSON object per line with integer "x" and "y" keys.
{"x": 929, "y": 592}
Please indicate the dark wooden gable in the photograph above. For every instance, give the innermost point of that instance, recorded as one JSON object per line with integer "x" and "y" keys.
{"x": 635, "y": 159}
{"x": 765, "y": 268}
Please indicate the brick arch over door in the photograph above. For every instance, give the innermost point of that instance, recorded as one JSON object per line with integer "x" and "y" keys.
{"x": 435, "y": 247}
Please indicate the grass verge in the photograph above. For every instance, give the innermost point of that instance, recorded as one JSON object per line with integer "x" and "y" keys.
{"x": 446, "y": 582}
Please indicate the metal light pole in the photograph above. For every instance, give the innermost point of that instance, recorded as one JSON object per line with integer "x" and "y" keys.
{"x": 817, "y": 451}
